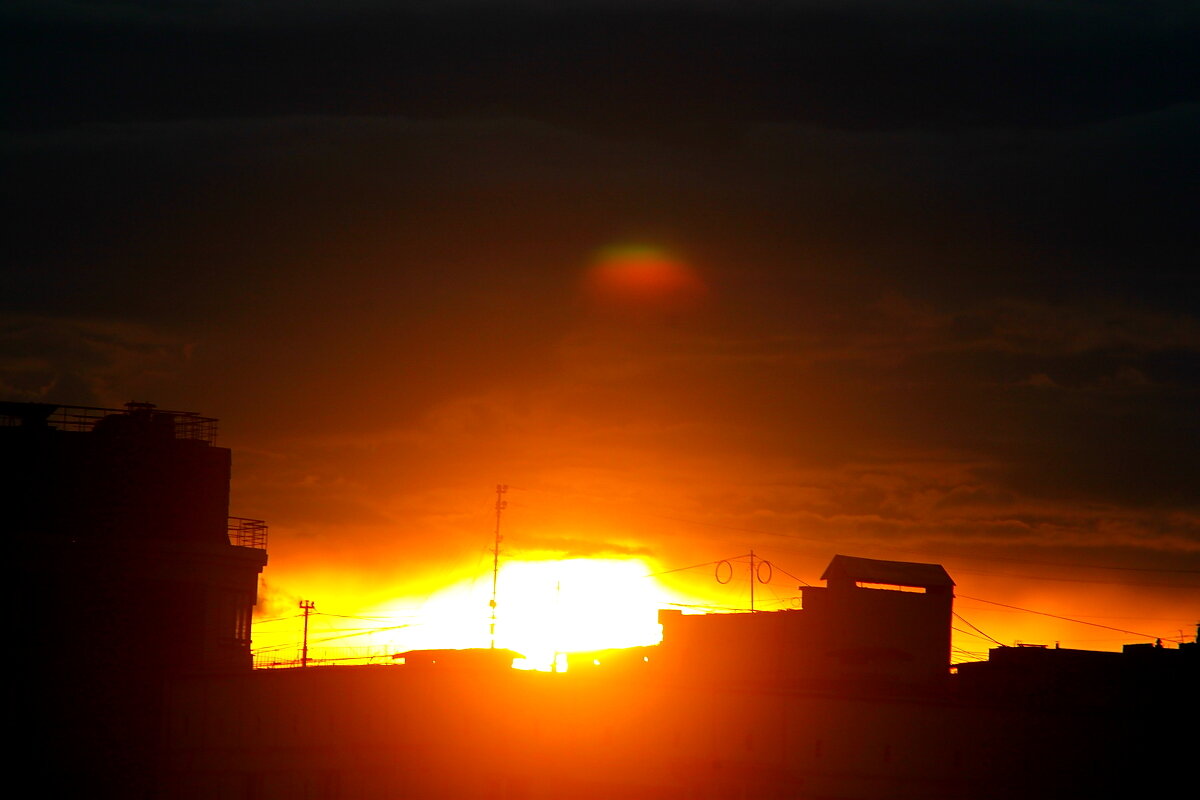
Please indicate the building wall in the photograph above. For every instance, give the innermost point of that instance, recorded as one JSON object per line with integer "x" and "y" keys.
{"x": 880, "y": 633}
{"x": 843, "y": 633}
{"x": 124, "y": 575}
{"x": 390, "y": 732}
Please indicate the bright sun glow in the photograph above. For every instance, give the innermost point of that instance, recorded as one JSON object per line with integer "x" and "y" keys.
{"x": 544, "y": 608}
{"x": 548, "y": 607}
{"x": 580, "y": 604}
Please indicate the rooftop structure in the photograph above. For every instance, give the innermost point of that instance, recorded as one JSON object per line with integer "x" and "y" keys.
{"x": 845, "y": 570}
{"x": 875, "y": 621}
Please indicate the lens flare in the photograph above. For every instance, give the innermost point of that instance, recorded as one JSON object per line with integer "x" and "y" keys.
{"x": 640, "y": 276}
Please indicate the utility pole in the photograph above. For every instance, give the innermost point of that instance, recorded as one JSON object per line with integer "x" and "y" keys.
{"x": 307, "y": 606}
{"x": 755, "y": 573}
{"x": 501, "y": 504}
{"x": 752, "y": 578}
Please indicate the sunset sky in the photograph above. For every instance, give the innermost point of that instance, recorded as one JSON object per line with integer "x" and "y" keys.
{"x": 901, "y": 280}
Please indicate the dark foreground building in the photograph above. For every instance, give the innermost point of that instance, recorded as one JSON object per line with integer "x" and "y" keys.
{"x": 140, "y": 591}
{"x": 129, "y": 571}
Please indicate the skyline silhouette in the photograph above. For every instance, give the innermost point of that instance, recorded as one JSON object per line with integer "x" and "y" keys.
{"x": 850, "y": 694}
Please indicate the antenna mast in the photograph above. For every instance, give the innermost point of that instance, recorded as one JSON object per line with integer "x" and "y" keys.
{"x": 501, "y": 504}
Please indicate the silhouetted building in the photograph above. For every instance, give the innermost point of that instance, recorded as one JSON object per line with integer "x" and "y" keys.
{"x": 875, "y": 621}
{"x": 467, "y": 659}
{"x": 133, "y": 571}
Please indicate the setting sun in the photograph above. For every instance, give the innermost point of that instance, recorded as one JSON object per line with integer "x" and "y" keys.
{"x": 545, "y": 607}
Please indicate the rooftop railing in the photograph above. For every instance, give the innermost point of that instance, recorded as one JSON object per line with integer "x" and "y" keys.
{"x": 182, "y": 424}
{"x": 245, "y": 532}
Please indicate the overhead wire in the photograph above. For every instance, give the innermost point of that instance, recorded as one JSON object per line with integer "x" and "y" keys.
{"x": 1066, "y": 619}
{"x": 683, "y": 569}
{"x": 276, "y": 619}
{"x": 971, "y": 633}
{"x": 1146, "y": 584}
{"x": 966, "y": 656}
{"x": 790, "y": 575}
{"x": 342, "y": 634}
{"x": 363, "y": 619}
{"x": 986, "y": 636}
{"x": 356, "y": 633}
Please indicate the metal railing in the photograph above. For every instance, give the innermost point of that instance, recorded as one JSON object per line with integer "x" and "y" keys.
{"x": 245, "y": 532}
{"x": 182, "y": 424}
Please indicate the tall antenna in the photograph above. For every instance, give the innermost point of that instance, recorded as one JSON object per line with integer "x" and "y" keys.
{"x": 307, "y": 606}
{"x": 501, "y": 504}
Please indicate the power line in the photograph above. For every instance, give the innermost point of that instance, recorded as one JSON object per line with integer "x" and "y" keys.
{"x": 790, "y": 575}
{"x": 276, "y": 619}
{"x": 1067, "y": 619}
{"x": 1077, "y": 565}
{"x": 683, "y": 569}
{"x": 1078, "y": 580}
{"x": 967, "y": 656}
{"x": 358, "y": 633}
{"x": 342, "y": 634}
{"x": 364, "y": 619}
{"x": 986, "y": 636}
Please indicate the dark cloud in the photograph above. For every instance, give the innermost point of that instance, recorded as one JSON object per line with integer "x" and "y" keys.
{"x": 628, "y": 66}
{"x": 84, "y": 361}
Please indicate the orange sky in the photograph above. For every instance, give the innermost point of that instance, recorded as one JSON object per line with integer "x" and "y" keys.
{"x": 608, "y": 458}
{"x": 887, "y": 289}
